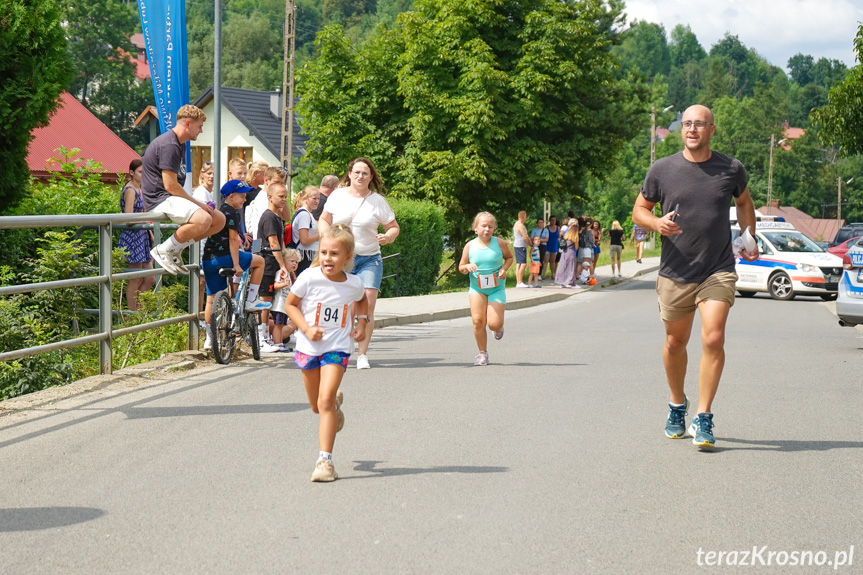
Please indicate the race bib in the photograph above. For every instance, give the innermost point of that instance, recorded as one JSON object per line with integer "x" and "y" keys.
{"x": 487, "y": 281}
{"x": 330, "y": 316}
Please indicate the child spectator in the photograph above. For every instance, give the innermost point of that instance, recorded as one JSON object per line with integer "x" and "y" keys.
{"x": 535, "y": 263}
{"x": 271, "y": 231}
{"x": 254, "y": 210}
{"x": 282, "y": 326}
{"x": 223, "y": 251}
{"x": 319, "y": 305}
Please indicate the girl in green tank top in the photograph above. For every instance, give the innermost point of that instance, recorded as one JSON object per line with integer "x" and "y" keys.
{"x": 485, "y": 259}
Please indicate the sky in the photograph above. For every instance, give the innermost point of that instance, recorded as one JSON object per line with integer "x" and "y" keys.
{"x": 775, "y": 29}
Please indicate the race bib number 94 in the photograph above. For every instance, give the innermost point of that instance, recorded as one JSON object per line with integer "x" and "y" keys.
{"x": 331, "y": 316}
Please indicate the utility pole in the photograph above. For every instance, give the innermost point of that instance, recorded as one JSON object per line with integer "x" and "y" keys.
{"x": 288, "y": 93}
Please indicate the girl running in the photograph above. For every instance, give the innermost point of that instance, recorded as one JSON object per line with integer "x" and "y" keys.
{"x": 319, "y": 305}
{"x": 486, "y": 259}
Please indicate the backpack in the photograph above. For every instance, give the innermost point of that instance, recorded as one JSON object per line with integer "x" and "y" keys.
{"x": 289, "y": 230}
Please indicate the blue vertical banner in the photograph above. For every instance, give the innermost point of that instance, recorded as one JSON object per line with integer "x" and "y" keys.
{"x": 163, "y": 23}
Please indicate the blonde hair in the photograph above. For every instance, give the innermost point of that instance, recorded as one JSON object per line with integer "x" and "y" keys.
{"x": 572, "y": 233}
{"x": 253, "y": 169}
{"x": 615, "y": 225}
{"x": 207, "y": 167}
{"x": 191, "y": 112}
{"x": 481, "y": 215}
{"x": 291, "y": 254}
{"x": 235, "y": 163}
{"x": 342, "y": 234}
{"x": 303, "y": 196}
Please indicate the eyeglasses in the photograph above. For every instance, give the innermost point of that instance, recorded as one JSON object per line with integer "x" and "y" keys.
{"x": 699, "y": 125}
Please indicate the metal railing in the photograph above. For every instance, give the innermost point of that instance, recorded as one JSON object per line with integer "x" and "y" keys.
{"x": 105, "y": 333}
{"x": 395, "y": 275}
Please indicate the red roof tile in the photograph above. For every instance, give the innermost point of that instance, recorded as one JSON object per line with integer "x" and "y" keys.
{"x": 74, "y": 126}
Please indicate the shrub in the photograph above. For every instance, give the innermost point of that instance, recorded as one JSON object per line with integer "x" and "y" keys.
{"x": 420, "y": 244}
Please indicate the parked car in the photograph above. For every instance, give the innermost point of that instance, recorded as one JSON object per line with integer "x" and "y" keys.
{"x": 849, "y": 304}
{"x": 790, "y": 264}
{"x": 847, "y": 232}
{"x": 840, "y": 249}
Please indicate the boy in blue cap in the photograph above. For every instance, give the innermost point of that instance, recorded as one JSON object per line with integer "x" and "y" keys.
{"x": 223, "y": 251}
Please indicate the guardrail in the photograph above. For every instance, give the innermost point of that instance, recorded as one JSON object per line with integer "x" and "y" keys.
{"x": 395, "y": 275}
{"x": 105, "y": 280}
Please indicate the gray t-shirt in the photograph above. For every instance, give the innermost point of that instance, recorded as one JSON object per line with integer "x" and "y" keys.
{"x": 164, "y": 153}
{"x": 704, "y": 191}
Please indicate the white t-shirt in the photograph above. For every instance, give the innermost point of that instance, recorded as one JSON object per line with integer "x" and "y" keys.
{"x": 204, "y": 195}
{"x": 254, "y": 211}
{"x": 335, "y": 299}
{"x": 374, "y": 212}
{"x": 303, "y": 220}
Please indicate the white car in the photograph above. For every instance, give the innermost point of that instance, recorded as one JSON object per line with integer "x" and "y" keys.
{"x": 849, "y": 304}
{"x": 790, "y": 264}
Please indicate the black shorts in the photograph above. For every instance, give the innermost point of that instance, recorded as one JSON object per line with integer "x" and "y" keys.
{"x": 267, "y": 286}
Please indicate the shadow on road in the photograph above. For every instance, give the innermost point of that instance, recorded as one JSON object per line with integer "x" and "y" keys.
{"x": 785, "y": 445}
{"x": 38, "y": 518}
{"x": 371, "y": 467}
{"x": 200, "y": 410}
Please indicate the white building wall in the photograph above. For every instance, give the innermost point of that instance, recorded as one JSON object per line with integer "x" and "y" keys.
{"x": 234, "y": 134}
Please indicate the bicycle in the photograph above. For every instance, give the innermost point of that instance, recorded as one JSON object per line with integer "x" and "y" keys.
{"x": 229, "y": 320}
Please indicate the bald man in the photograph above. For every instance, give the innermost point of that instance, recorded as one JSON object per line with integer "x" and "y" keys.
{"x": 696, "y": 270}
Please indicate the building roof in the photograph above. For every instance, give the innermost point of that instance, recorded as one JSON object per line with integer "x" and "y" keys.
{"x": 818, "y": 229}
{"x": 791, "y": 133}
{"x": 74, "y": 126}
{"x": 142, "y": 66}
{"x": 252, "y": 108}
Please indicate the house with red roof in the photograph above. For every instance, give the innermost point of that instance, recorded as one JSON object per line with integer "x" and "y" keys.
{"x": 74, "y": 126}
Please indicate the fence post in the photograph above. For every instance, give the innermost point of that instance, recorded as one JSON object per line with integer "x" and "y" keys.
{"x": 157, "y": 239}
{"x": 106, "y": 243}
{"x": 398, "y": 275}
{"x": 194, "y": 293}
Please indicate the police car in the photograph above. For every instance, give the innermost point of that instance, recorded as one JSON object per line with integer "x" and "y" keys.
{"x": 849, "y": 305}
{"x": 789, "y": 264}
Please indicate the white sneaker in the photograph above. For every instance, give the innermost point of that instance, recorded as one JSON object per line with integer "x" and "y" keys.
{"x": 177, "y": 259}
{"x": 208, "y": 339}
{"x": 363, "y": 362}
{"x": 258, "y": 305}
{"x": 165, "y": 260}
{"x": 521, "y": 285}
{"x": 267, "y": 348}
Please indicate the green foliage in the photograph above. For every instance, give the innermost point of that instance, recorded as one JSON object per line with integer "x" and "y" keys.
{"x": 645, "y": 49}
{"x": 103, "y": 58}
{"x": 74, "y": 189}
{"x": 152, "y": 343}
{"x": 480, "y": 105}
{"x": 420, "y": 243}
{"x": 35, "y": 68}
{"x": 841, "y": 121}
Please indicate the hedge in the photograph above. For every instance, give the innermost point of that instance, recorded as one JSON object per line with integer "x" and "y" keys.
{"x": 420, "y": 244}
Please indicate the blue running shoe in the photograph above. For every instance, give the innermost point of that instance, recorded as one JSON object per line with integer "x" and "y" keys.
{"x": 675, "y": 425}
{"x": 701, "y": 431}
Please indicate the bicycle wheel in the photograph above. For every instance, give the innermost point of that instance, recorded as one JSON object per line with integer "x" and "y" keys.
{"x": 252, "y": 334}
{"x": 221, "y": 330}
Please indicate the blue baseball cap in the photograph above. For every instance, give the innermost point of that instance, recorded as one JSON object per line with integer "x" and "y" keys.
{"x": 235, "y": 187}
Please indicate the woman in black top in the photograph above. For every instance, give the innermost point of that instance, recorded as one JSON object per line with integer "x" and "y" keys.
{"x": 616, "y": 234}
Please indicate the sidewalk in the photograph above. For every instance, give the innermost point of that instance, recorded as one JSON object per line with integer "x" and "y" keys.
{"x": 436, "y": 307}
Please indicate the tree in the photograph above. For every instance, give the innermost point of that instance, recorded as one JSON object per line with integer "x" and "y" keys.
{"x": 491, "y": 104}
{"x": 35, "y": 65}
{"x": 840, "y": 122}
{"x": 645, "y": 49}
{"x": 800, "y": 67}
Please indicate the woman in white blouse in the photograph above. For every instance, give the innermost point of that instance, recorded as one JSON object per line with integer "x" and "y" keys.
{"x": 360, "y": 205}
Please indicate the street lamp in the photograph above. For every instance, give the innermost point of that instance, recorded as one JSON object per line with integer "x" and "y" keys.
{"x": 839, "y": 205}
{"x": 770, "y": 171}
{"x": 653, "y": 154}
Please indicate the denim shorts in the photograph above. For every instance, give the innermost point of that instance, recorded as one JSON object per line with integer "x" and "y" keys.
{"x": 370, "y": 269}
{"x": 215, "y": 282}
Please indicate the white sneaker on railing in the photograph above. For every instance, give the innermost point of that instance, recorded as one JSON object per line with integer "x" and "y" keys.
{"x": 258, "y": 305}
{"x": 177, "y": 260}
{"x": 165, "y": 260}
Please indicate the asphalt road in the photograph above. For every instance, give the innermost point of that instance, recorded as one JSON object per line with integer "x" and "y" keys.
{"x": 550, "y": 460}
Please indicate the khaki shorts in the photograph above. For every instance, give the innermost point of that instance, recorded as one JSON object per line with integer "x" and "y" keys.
{"x": 677, "y": 300}
{"x": 179, "y": 210}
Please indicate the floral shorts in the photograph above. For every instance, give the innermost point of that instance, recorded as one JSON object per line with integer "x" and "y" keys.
{"x": 304, "y": 361}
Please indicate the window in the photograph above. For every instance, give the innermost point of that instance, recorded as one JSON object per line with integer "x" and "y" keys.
{"x": 243, "y": 153}
{"x": 200, "y": 154}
